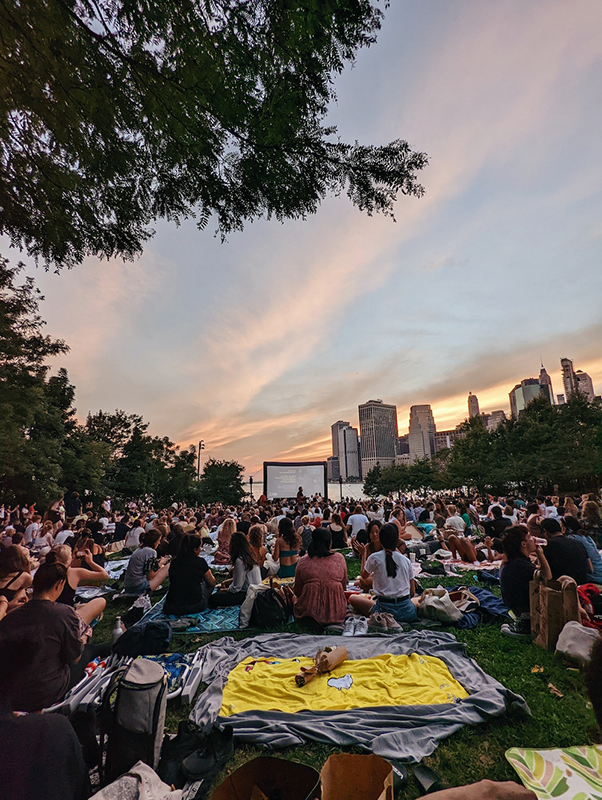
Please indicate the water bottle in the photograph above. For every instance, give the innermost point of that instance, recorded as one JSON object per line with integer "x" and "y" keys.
{"x": 117, "y": 630}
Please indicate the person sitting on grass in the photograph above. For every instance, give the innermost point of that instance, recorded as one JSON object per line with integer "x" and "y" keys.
{"x": 224, "y": 535}
{"x": 15, "y": 578}
{"x": 232, "y": 592}
{"x": 144, "y": 571}
{"x": 89, "y": 575}
{"x": 571, "y": 527}
{"x": 286, "y": 548}
{"x": 565, "y": 555}
{"x": 365, "y": 550}
{"x": 515, "y": 575}
{"x": 258, "y": 549}
{"x": 392, "y": 580}
{"x": 320, "y": 582}
{"x": 454, "y": 539}
{"x": 338, "y": 533}
{"x": 190, "y": 580}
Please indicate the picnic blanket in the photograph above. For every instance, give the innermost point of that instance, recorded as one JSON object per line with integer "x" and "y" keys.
{"x": 573, "y": 773}
{"x": 405, "y": 732}
{"x": 209, "y": 621}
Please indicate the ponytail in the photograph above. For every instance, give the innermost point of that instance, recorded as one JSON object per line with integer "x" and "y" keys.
{"x": 389, "y": 537}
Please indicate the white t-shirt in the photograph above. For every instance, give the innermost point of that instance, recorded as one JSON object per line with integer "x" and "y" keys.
{"x": 358, "y": 522}
{"x": 133, "y": 537}
{"x": 455, "y": 523}
{"x": 385, "y": 586}
{"x": 62, "y": 536}
{"x": 31, "y": 532}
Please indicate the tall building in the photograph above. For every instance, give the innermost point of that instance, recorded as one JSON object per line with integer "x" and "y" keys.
{"x": 522, "y": 394}
{"x": 494, "y": 419}
{"x": 334, "y": 429}
{"x": 545, "y": 385}
{"x": 585, "y": 385}
{"x": 378, "y": 432}
{"x": 349, "y": 453}
{"x": 422, "y": 432}
{"x": 473, "y": 405}
{"x": 332, "y": 468}
{"x": 569, "y": 379}
{"x": 560, "y": 399}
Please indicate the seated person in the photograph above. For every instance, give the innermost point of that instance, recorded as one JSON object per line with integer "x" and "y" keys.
{"x": 222, "y": 554}
{"x": 399, "y": 519}
{"x": 86, "y": 543}
{"x": 190, "y": 580}
{"x": 392, "y": 580}
{"x": 320, "y": 582}
{"x": 338, "y": 533}
{"x": 572, "y": 529}
{"x": 258, "y": 549}
{"x": 305, "y": 531}
{"x": 286, "y": 548}
{"x": 365, "y": 550}
{"x": 89, "y": 575}
{"x": 144, "y": 571}
{"x": 453, "y": 536}
{"x": 15, "y": 578}
{"x": 564, "y": 555}
{"x": 44, "y": 538}
{"x": 246, "y": 572}
{"x": 498, "y": 524}
{"x": 38, "y": 643}
{"x": 516, "y": 574}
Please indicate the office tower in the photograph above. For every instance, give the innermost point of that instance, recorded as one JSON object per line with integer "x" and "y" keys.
{"x": 569, "y": 379}
{"x": 378, "y": 433}
{"x": 349, "y": 454}
{"x": 334, "y": 429}
{"x": 522, "y": 394}
{"x": 473, "y": 405}
{"x": 422, "y": 432}
{"x": 494, "y": 419}
{"x": 402, "y": 446}
{"x": 443, "y": 439}
{"x": 332, "y": 468}
{"x": 560, "y": 400}
{"x": 545, "y": 385}
{"x": 585, "y": 385}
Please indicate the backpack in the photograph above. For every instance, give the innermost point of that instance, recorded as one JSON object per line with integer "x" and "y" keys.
{"x": 149, "y": 639}
{"x": 270, "y": 609}
{"x": 132, "y": 718}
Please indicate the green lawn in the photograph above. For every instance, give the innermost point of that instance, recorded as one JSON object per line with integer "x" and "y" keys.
{"x": 472, "y": 753}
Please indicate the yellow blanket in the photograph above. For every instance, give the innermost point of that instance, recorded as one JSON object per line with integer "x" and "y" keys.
{"x": 386, "y": 680}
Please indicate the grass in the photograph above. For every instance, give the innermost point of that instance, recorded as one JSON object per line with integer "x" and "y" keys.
{"x": 474, "y": 752}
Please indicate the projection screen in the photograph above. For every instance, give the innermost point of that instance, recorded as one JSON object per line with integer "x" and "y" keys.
{"x": 282, "y": 479}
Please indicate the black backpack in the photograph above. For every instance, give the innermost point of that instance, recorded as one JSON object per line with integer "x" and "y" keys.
{"x": 132, "y": 718}
{"x": 270, "y": 610}
{"x": 149, "y": 639}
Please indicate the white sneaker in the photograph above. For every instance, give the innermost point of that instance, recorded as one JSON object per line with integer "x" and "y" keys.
{"x": 361, "y": 626}
{"x": 349, "y": 626}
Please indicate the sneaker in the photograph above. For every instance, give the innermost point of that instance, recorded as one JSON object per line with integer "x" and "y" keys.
{"x": 349, "y": 626}
{"x": 377, "y": 623}
{"x": 392, "y": 625}
{"x": 361, "y": 626}
{"x": 512, "y": 629}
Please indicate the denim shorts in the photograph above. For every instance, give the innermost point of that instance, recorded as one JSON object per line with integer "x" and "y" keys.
{"x": 139, "y": 588}
{"x": 405, "y": 611}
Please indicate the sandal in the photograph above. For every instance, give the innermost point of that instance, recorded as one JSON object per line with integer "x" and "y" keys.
{"x": 428, "y": 780}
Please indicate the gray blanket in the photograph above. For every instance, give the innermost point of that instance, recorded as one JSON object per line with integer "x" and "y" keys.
{"x": 405, "y": 732}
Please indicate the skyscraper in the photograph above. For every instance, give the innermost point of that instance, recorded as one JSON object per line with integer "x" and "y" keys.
{"x": 585, "y": 385}
{"x": 334, "y": 429}
{"x": 378, "y": 433}
{"x": 522, "y": 394}
{"x": 569, "y": 379}
{"x": 545, "y": 385}
{"x": 422, "y": 432}
{"x": 473, "y": 405}
{"x": 349, "y": 453}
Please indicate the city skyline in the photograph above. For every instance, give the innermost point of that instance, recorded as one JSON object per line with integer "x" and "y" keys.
{"x": 257, "y": 345}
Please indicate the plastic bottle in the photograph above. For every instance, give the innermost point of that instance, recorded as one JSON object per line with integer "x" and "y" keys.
{"x": 117, "y": 630}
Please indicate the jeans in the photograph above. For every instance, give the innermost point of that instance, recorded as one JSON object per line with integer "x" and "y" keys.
{"x": 401, "y": 612}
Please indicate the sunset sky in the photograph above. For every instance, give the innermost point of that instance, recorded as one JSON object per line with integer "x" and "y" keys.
{"x": 258, "y": 345}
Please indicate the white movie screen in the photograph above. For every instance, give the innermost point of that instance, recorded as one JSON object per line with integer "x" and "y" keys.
{"x": 283, "y": 480}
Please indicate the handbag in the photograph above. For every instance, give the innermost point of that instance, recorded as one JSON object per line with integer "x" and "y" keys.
{"x": 437, "y": 604}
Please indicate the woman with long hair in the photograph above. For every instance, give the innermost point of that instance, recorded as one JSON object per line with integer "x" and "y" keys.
{"x": 392, "y": 581}
{"x": 338, "y": 532}
{"x": 15, "y": 578}
{"x": 320, "y": 582}
{"x": 222, "y": 554}
{"x": 591, "y": 522}
{"x": 191, "y": 582}
{"x": 258, "y": 549}
{"x": 88, "y": 574}
{"x": 286, "y": 548}
{"x": 515, "y": 575}
{"x": 245, "y": 572}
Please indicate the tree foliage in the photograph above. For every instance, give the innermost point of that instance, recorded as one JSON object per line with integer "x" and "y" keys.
{"x": 221, "y": 481}
{"x": 114, "y": 114}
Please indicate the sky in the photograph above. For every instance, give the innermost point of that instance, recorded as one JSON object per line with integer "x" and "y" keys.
{"x": 258, "y": 345}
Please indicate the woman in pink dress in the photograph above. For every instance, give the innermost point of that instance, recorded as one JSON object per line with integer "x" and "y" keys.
{"x": 320, "y": 582}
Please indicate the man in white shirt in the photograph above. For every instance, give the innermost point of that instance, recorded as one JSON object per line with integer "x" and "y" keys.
{"x": 62, "y": 536}
{"x": 31, "y": 531}
{"x": 358, "y": 521}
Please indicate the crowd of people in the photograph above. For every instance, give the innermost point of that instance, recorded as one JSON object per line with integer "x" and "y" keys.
{"x": 46, "y": 556}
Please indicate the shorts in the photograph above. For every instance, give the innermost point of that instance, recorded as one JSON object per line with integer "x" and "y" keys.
{"x": 404, "y": 611}
{"x": 139, "y": 588}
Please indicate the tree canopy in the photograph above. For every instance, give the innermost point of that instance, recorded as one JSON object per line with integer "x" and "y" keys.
{"x": 114, "y": 114}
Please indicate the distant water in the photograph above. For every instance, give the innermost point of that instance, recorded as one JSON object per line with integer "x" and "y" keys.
{"x": 355, "y": 491}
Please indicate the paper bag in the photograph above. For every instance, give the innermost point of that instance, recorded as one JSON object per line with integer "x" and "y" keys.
{"x": 349, "y": 777}
{"x": 552, "y": 605}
